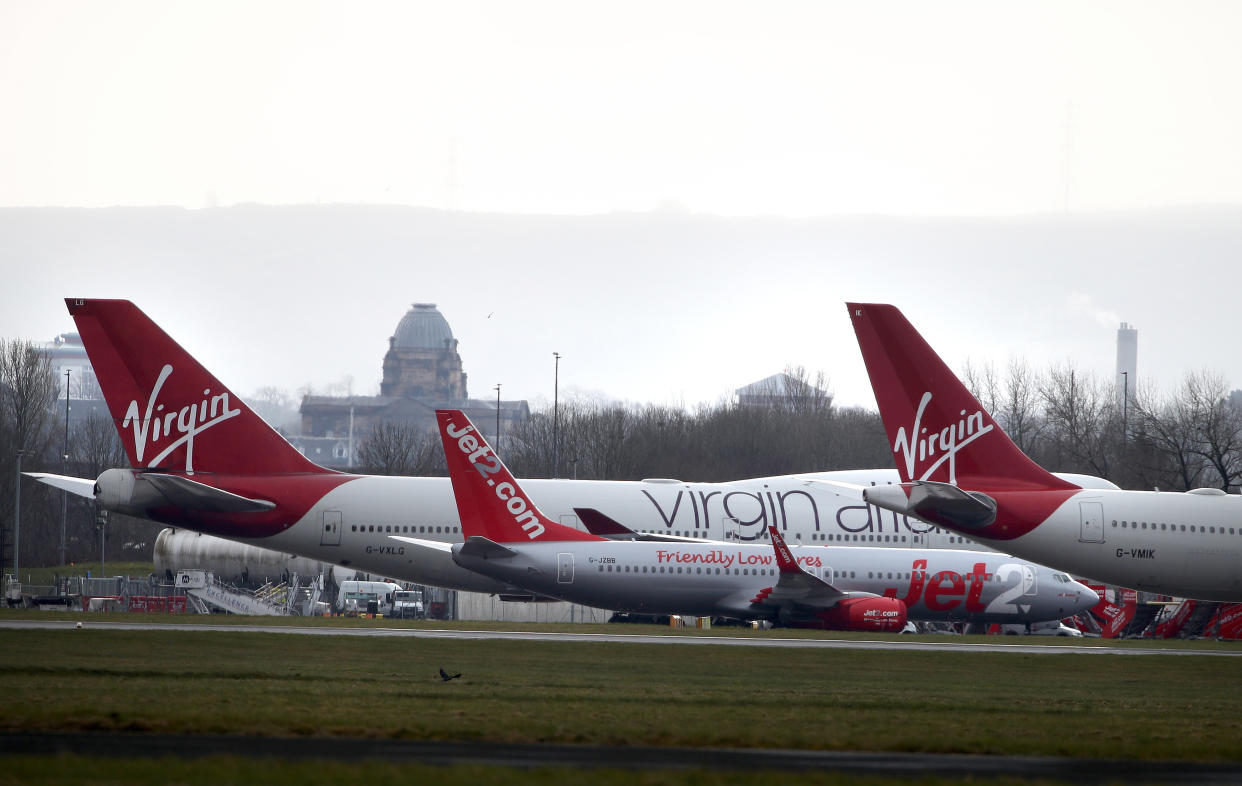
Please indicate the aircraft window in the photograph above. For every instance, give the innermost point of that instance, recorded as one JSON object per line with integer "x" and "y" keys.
{"x": 1212, "y": 530}
{"x": 903, "y": 538}
{"x": 353, "y": 527}
{"x": 1192, "y": 527}
{"x": 370, "y": 528}
{"x": 1163, "y": 527}
{"x": 698, "y": 571}
{"x": 1144, "y": 525}
{"x": 1183, "y": 528}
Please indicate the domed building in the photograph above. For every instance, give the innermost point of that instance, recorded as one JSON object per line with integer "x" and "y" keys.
{"x": 422, "y": 373}
{"x": 422, "y": 359}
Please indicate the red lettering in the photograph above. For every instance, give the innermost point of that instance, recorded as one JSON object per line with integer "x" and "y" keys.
{"x": 978, "y": 575}
{"x": 937, "y": 588}
{"x": 917, "y": 576}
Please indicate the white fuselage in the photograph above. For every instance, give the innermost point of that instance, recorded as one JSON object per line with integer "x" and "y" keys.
{"x": 1182, "y": 544}
{"x": 723, "y": 579}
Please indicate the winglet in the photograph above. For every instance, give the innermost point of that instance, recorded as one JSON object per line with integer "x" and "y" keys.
{"x": 490, "y": 502}
{"x": 784, "y": 560}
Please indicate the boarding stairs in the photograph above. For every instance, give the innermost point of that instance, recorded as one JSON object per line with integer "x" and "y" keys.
{"x": 1202, "y": 615}
{"x": 207, "y": 593}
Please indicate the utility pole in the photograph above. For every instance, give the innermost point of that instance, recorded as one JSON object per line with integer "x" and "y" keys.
{"x": 498, "y": 418}
{"x": 556, "y": 441}
{"x": 64, "y": 470}
{"x": 17, "y": 518}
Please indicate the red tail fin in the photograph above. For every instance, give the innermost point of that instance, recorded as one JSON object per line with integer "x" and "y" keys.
{"x": 937, "y": 429}
{"x": 170, "y": 411}
{"x": 490, "y": 502}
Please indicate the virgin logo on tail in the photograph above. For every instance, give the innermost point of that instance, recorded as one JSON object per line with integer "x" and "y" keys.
{"x": 156, "y": 425}
{"x": 919, "y": 445}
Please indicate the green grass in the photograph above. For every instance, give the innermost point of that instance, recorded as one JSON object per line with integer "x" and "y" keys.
{"x": 632, "y": 694}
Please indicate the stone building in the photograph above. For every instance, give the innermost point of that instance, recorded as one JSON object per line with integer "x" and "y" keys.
{"x": 422, "y": 373}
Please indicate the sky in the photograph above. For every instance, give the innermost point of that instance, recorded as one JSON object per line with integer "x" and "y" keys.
{"x": 788, "y": 110}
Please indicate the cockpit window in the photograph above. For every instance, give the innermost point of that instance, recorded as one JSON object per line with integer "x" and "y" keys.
{"x": 1061, "y": 577}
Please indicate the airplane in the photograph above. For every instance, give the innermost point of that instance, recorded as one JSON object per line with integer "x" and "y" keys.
{"x": 508, "y": 539}
{"x": 960, "y": 471}
{"x": 204, "y": 461}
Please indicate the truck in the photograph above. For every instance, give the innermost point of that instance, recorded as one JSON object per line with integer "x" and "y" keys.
{"x": 366, "y": 597}
{"x": 408, "y": 604}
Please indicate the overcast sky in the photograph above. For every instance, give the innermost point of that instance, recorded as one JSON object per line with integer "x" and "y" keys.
{"x": 732, "y": 109}
{"x": 724, "y": 107}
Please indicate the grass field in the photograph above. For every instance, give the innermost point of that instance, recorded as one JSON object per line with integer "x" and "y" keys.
{"x": 1099, "y": 706}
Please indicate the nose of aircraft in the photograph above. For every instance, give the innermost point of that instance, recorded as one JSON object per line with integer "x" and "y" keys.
{"x": 1084, "y": 597}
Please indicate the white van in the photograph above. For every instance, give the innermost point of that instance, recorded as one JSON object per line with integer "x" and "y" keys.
{"x": 355, "y": 597}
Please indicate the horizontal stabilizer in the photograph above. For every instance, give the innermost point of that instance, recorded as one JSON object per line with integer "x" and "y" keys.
{"x": 191, "y": 495}
{"x": 937, "y": 503}
{"x": 434, "y": 545}
{"x": 482, "y": 548}
{"x": 604, "y": 526}
{"x": 83, "y": 487}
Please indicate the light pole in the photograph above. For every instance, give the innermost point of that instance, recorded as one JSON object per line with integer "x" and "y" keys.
{"x": 556, "y": 442}
{"x": 17, "y": 517}
{"x": 64, "y": 469}
{"x": 497, "y": 418}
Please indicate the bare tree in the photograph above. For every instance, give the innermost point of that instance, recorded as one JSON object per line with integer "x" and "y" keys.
{"x": 401, "y": 449}
{"x": 1217, "y": 425}
{"x": 28, "y": 390}
{"x": 1165, "y": 442}
{"x": 1079, "y": 412}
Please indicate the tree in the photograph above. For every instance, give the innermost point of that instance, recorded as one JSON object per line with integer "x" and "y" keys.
{"x": 28, "y": 390}
{"x": 401, "y": 449}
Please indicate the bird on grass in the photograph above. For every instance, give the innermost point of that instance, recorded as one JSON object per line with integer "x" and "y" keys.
{"x": 444, "y": 675}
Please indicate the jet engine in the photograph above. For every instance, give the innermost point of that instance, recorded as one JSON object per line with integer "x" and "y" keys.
{"x": 876, "y": 614}
{"x": 118, "y": 489}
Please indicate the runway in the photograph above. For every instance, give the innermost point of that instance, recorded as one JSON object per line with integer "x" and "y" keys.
{"x": 1077, "y": 647}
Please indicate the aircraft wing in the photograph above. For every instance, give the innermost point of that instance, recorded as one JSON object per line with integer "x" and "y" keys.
{"x": 179, "y": 491}
{"x": 841, "y": 489}
{"x": 83, "y": 487}
{"x": 938, "y": 503}
{"x": 794, "y": 585}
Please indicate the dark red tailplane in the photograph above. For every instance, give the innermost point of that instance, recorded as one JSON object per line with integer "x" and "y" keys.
{"x": 171, "y": 413}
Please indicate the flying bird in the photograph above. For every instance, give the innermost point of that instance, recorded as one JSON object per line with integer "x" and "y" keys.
{"x": 446, "y": 676}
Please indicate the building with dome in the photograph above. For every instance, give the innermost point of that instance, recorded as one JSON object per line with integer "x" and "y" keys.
{"x": 422, "y": 372}
{"x": 422, "y": 359}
